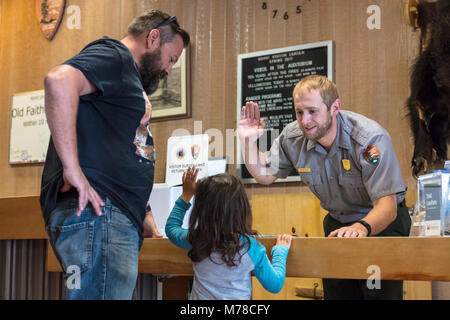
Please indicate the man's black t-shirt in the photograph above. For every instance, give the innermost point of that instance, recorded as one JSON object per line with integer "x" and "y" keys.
{"x": 115, "y": 146}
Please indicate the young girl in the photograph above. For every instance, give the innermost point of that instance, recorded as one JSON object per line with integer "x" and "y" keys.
{"x": 220, "y": 241}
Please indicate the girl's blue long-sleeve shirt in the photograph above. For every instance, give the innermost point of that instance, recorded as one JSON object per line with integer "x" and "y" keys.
{"x": 213, "y": 279}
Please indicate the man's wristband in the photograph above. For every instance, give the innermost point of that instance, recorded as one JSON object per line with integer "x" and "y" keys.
{"x": 366, "y": 225}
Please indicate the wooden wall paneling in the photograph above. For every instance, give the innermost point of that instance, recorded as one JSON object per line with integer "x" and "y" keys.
{"x": 304, "y": 215}
{"x": 98, "y": 20}
{"x": 293, "y": 24}
{"x": 214, "y": 125}
{"x": 310, "y": 24}
{"x": 260, "y": 38}
{"x": 277, "y": 25}
{"x": 341, "y": 32}
{"x": 417, "y": 290}
{"x": 237, "y": 20}
{"x": 297, "y": 213}
{"x": 324, "y": 27}
{"x": 203, "y": 43}
{"x": 128, "y": 11}
{"x": 114, "y": 26}
{"x": 269, "y": 214}
{"x": 359, "y": 57}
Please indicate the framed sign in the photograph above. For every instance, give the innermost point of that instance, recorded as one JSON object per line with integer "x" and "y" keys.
{"x": 29, "y": 135}
{"x": 172, "y": 99}
{"x": 268, "y": 78}
{"x": 183, "y": 152}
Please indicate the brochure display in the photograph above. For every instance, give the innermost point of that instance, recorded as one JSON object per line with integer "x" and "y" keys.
{"x": 432, "y": 214}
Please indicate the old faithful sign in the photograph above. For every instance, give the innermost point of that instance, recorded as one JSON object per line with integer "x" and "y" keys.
{"x": 49, "y": 14}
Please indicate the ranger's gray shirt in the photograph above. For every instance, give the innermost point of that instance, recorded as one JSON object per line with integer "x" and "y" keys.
{"x": 348, "y": 178}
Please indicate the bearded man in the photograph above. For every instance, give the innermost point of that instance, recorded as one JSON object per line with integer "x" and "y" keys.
{"x": 99, "y": 170}
{"x": 347, "y": 161}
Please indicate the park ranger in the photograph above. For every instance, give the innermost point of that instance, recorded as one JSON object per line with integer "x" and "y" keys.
{"x": 348, "y": 162}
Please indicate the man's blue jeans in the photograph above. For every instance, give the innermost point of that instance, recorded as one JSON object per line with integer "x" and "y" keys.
{"x": 98, "y": 254}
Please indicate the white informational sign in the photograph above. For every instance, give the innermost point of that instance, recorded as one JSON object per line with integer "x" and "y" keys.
{"x": 29, "y": 135}
{"x": 163, "y": 197}
{"x": 162, "y": 200}
{"x": 217, "y": 166}
{"x": 183, "y": 152}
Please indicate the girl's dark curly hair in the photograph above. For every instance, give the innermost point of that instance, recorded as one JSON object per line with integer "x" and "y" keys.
{"x": 221, "y": 216}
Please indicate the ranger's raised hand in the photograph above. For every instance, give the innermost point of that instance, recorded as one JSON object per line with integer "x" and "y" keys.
{"x": 251, "y": 125}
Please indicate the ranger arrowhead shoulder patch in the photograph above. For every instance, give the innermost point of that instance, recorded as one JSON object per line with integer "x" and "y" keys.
{"x": 372, "y": 155}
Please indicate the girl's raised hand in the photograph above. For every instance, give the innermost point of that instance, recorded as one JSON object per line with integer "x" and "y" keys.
{"x": 189, "y": 183}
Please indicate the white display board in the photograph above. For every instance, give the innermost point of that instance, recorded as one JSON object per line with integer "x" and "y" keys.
{"x": 217, "y": 166}
{"x": 163, "y": 197}
{"x": 183, "y": 152}
{"x": 162, "y": 200}
{"x": 29, "y": 135}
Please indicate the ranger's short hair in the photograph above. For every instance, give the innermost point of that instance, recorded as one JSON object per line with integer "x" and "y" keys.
{"x": 327, "y": 89}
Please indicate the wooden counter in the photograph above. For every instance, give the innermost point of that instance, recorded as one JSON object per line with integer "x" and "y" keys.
{"x": 397, "y": 258}
{"x": 21, "y": 218}
{"x": 314, "y": 257}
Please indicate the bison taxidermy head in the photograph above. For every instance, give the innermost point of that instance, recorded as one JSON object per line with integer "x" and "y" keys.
{"x": 429, "y": 101}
